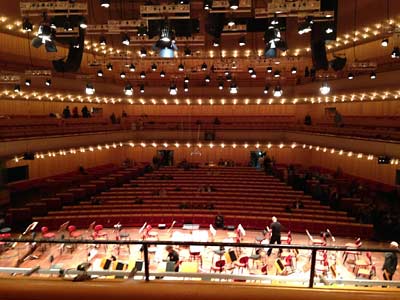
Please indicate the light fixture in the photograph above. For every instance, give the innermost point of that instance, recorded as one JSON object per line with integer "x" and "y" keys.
{"x": 242, "y": 41}
{"x": 142, "y": 30}
{"x": 186, "y": 79}
{"x": 143, "y": 74}
{"x": 372, "y": 75}
{"x": 28, "y": 82}
{"x": 305, "y": 27}
{"x": 350, "y": 76}
{"x": 253, "y": 75}
{"x": 187, "y": 52}
{"x": 45, "y": 35}
{"x": 231, "y": 23}
{"x": 166, "y": 35}
{"x": 233, "y": 89}
{"x": 216, "y": 42}
{"x": 17, "y": 88}
{"x": 385, "y": 42}
{"x": 128, "y": 90}
{"x": 141, "y": 88}
{"x": 173, "y": 91}
{"x": 204, "y": 66}
{"x": 325, "y": 88}
{"x": 27, "y": 25}
{"x": 207, "y": 79}
{"x": 277, "y": 74}
{"x": 89, "y": 90}
{"x": 126, "y": 40}
{"x": 294, "y": 70}
{"x": 162, "y": 74}
{"x": 109, "y": 67}
{"x": 221, "y": 85}
{"x": 228, "y": 77}
{"x": 67, "y": 25}
{"x": 154, "y": 67}
{"x": 277, "y": 91}
{"x": 250, "y": 70}
{"x": 122, "y": 75}
{"x": 48, "y": 82}
{"x": 132, "y": 68}
{"x": 181, "y": 67}
{"x": 207, "y": 4}
{"x": 83, "y": 24}
{"x": 266, "y": 89}
{"x": 269, "y": 69}
{"x": 233, "y": 4}
{"x": 329, "y": 30}
{"x": 185, "y": 87}
{"x": 143, "y": 52}
{"x": 102, "y": 41}
{"x": 396, "y": 52}
{"x": 99, "y": 73}
{"x": 105, "y": 3}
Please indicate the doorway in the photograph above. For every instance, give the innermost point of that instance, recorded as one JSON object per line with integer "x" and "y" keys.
{"x": 166, "y": 157}
{"x": 256, "y": 158}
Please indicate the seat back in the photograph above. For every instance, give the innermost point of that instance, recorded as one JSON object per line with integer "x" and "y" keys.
{"x": 71, "y": 228}
{"x": 98, "y": 227}
{"x": 264, "y": 269}
{"x": 44, "y": 229}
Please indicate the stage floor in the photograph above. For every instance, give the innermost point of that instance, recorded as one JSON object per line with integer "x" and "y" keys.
{"x": 65, "y": 257}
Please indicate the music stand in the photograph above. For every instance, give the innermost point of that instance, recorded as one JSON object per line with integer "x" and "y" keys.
{"x": 30, "y": 229}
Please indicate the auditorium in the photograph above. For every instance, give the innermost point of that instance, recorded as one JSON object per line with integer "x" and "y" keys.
{"x": 202, "y": 149}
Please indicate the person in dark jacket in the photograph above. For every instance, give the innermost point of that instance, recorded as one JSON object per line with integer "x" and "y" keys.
{"x": 390, "y": 264}
{"x": 275, "y": 234}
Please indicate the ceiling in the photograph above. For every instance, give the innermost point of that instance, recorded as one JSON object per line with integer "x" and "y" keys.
{"x": 18, "y": 55}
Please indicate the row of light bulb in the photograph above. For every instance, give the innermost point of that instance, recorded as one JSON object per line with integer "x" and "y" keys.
{"x": 222, "y": 145}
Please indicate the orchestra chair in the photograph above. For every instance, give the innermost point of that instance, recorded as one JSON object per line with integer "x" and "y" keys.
{"x": 98, "y": 234}
{"x": 263, "y": 271}
{"x": 354, "y": 253}
{"x": 213, "y": 232}
{"x": 363, "y": 267}
{"x": 287, "y": 239}
{"x": 242, "y": 264}
{"x": 316, "y": 242}
{"x": 195, "y": 254}
{"x": 47, "y": 235}
{"x": 219, "y": 266}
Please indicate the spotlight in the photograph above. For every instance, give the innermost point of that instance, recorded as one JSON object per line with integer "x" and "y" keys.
{"x": 207, "y": 79}
{"x": 242, "y": 41}
{"x": 122, "y": 75}
{"x": 385, "y": 42}
{"x": 154, "y": 67}
{"x": 216, "y": 43}
{"x": 396, "y": 52}
{"x": 277, "y": 91}
{"x": 186, "y": 79}
{"x": 266, "y": 89}
{"x": 204, "y": 67}
{"x": 89, "y": 90}
{"x": 67, "y": 25}
{"x": 128, "y": 90}
{"x": 294, "y": 70}
{"x": 185, "y": 87}
{"x": 126, "y": 40}
{"x": 181, "y": 67}
{"x": 277, "y": 74}
{"x": 105, "y": 3}
{"x": 372, "y": 75}
{"x": 109, "y": 67}
{"x": 27, "y": 25}
{"x": 228, "y": 77}
{"x": 226, "y": 73}
{"x": 350, "y": 76}
{"x": 83, "y": 24}
{"x": 162, "y": 74}
{"x": 17, "y": 88}
{"x": 99, "y": 73}
{"x": 328, "y": 30}
{"x": 45, "y": 35}
{"x": 102, "y": 41}
{"x": 231, "y": 23}
{"x": 250, "y": 70}
{"x": 325, "y": 89}
{"x": 173, "y": 91}
{"x": 207, "y": 4}
{"x": 132, "y": 68}
{"x": 221, "y": 86}
{"x": 28, "y": 82}
{"x": 233, "y": 4}
{"x": 233, "y": 89}
{"x": 48, "y": 82}
{"x": 142, "y": 88}
{"x": 304, "y": 28}
{"x": 253, "y": 75}
{"x": 166, "y": 34}
{"x": 187, "y": 51}
{"x": 143, "y": 52}
{"x": 142, "y": 74}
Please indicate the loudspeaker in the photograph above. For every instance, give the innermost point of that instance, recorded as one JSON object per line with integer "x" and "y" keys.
{"x": 74, "y": 58}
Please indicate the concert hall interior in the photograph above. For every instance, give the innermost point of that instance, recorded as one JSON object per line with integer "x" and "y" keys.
{"x": 200, "y": 148}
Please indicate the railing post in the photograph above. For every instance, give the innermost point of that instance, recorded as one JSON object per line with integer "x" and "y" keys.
{"x": 312, "y": 270}
{"x": 146, "y": 262}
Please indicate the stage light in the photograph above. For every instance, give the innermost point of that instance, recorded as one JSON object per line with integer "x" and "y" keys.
{"x": 207, "y": 4}
{"x": 181, "y": 67}
{"x": 233, "y": 4}
{"x": 142, "y": 88}
{"x": 162, "y": 74}
{"x": 266, "y": 89}
{"x": 372, "y": 75}
{"x": 350, "y": 76}
{"x": 328, "y": 30}
{"x": 27, "y": 25}
{"x": 242, "y": 41}
{"x": 253, "y": 75}
{"x": 186, "y": 79}
{"x": 294, "y": 70}
{"x": 325, "y": 88}
{"x": 207, "y": 79}
{"x": 221, "y": 85}
{"x": 154, "y": 67}
{"x": 396, "y": 53}
{"x": 250, "y": 70}
{"x": 216, "y": 43}
{"x": 269, "y": 69}
{"x": 233, "y": 89}
{"x": 173, "y": 91}
{"x": 105, "y": 3}
{"x": 132, "y": 68}
{"x": 122, "y": 75}
{"x": 128, "y": 90}
{"x": 303, "y": 28}
{"x": 277, "y": 74}
{"x": 48, "y": 82}
{"x": 45, "y": 35}
{"x": 185, "y": 87}
{"x": 102, "y": 41}
{"x": 204, "y": 67}
{"x": 187, "y": 52}
{"x": 99, "y": 73}
{"x": 126, "y": 40}
{"x": 228, "y": 77}
{"x": 28, "y": 82}
{"x": 278, "y": 92}
{"x": 109, "y": 67}
{"x": 231, "y": 22}
{"x": 17, "y": 88}
{"x": 143, "y": 74}
{"x": 143, "y": 52}
{"x": 385, "y": 42}
{"x": 83, "y": 23}
{"x": 166, "y": 34}
{"x": 89, "y": 90}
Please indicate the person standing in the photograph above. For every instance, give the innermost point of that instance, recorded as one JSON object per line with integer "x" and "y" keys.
{"x": 390, "y": 264}
{"x": 275, "y": 234}
{"x": 173, "y": 256}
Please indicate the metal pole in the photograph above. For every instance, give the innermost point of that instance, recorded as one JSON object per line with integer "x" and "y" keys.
{"x": 146, "y": 262}
{"x": 312, "y": 270}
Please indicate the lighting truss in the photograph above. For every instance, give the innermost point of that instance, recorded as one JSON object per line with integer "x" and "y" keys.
{"x": 53, "y": 8}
